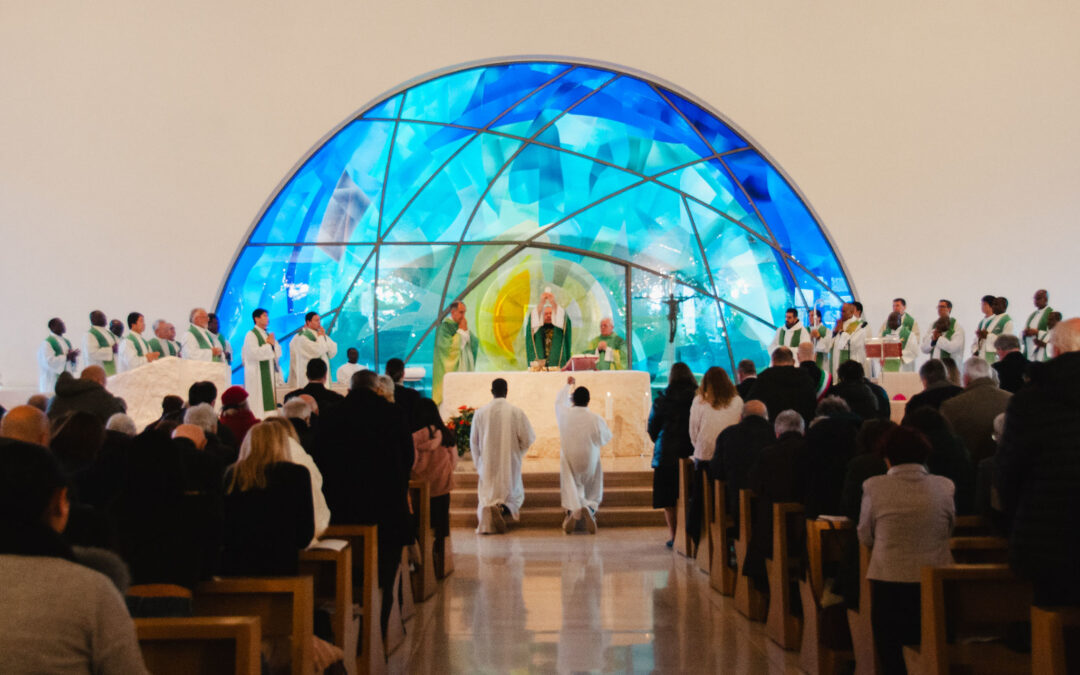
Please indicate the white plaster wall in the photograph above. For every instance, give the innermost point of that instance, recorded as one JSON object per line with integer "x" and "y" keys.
{"x": 939, "y": 142}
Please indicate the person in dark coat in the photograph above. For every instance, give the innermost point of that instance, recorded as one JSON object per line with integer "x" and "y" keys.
{"x": 854, "y": 390}
{"x": 206, "y": 392}
{"x": 365, "y": 453}
{"x": 948, "y": 456}
{"x": 317, "y": 373}
{"x": 669, "y": 429}
{"x": 830, "y": 445}
{"x": 405, "y": 398}
{"x": 971, "y": 414}
{"x": 746, "y": 373}
{"x": 86, "y": 394}
{"x": 1038, "y": 472}
{"x": 737, "y": 450}
{"x": 1011, "y": 365}
{"x": 777, "y": 477}
{"x": 936, "y": 387}
{"x": 785, "y": 387}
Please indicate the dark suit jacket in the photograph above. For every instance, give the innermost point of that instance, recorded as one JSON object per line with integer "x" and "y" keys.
{"x": 778, "y": 476}
{"x": 933, "y": 396}
{"x": 323, "y": 396}
{"x": 406, "y": 399}
{"x": 1011, "y": 371}
{"x": 972, "y": 414}
{"x": 737, "y": 449}
{"x": 745, "y": 386}
{"x": 783, "y": 388}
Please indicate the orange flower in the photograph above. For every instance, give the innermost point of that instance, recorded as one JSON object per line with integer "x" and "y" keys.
{"x": 463, "y": 407}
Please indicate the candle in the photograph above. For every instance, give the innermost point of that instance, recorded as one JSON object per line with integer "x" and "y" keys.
{"x": 610, "y": 407}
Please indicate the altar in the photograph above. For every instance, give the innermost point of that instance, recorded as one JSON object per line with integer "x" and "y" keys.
{"x": 623, "y": 398}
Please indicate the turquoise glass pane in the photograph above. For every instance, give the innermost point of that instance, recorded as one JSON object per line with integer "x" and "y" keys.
{"x": 442, "y": 209}
{"x": 716, "y": 133}
{"x": 411, "y": 281}
{"x": 475, "y": 97}
{"x": 709, "y": 183}
{"x": 387, "y": 109}
{"x": 353, "y": 325}
{"x": 627, "y": 124}
{"x": 419, "y": 151}
{"x": 542, "y": 107}
{"x": 795, "y": 229}
{"x": 334, "y": 196}
{"x": 749, "y": 338}
{"x": 540, "y": 187}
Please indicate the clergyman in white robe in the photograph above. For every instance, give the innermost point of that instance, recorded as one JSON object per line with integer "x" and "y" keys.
{"x": 500, "y": 437}
{"x": 307, "y": 345}
{"x": 581, "y": 477}
{"x": 261, "y": 371}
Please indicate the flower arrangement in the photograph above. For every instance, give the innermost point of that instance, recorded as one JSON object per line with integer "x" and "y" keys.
{"x": 461, "y": 425}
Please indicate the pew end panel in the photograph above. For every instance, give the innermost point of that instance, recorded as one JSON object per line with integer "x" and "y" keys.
{"x": 364, "y": 542}
{"x": 684, "y": 545}
{"x": 1055, "y": 641}
{"x": 749, "y": 601}
{"x": 721, "y": 574}
{"x": 225, "y": 645}
{"x": 783, "y": 626}
{"x": 423, "y": 578}
{"x": 331, "y": 571}
{"x": 705, "y": 545}
{"x": 826, "y": 642}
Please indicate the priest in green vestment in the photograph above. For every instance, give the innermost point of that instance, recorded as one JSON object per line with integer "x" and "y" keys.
{"x": 455, "y": 349}
{"x": 895, "y": 328}
{"x": 548, "y": 333}
{"x": 610, "y": 347}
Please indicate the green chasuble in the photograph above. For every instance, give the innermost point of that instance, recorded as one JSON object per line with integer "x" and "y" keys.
{"x": 266, "y": 377}
{"x": 616, "y": 345}
{"x": 449, "y": 356}
{"x": 548, "y": 342}
{"x": 894, "y": 365}
{"x": 821, "y": 358}
{"x": 162, "y": 347}
{"x": 205, "y": 342}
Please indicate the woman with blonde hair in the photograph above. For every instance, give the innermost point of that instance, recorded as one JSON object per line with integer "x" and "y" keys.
{"x": 716, "y": 407}
{"x": 296, "y": 454}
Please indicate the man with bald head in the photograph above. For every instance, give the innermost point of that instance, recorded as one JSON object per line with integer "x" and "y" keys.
{"x": 1037, "y": 327}
{"x": 737, "y": 450}
{"x": 27, "y": 424}
{"x": 100, "y": 344}
{"x": 86, "y": 394}
{"x": 197, "y": 342}
{"x": 1038, "y": 472}
{"x": 191, "y": 432}
{"x": 609, "y": 346}
{"x": 55, "y": 356}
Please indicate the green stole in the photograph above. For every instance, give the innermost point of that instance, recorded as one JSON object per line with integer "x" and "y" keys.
{"x": 268, "y": 400}
{"x": 616, "y": 345}
{"x": 784, "y": 332}
{"x": 560, "y": 345}
{"x": 203, "y": 343}
{"x": 1044, "y": 322}
{"x": 942, "y": 354}
{"x": 1000, "y": 327}
{"x": 907, "y": 322}
{"x": 819, "y": 357}
{"x": 135, "y": 343}
{"x": 156, "y": 346}
{"x": 102, "y": 341}
{"x": 55, "y": 344}
{"x": 984, "y": 324}
{"x": 894, "y": 365}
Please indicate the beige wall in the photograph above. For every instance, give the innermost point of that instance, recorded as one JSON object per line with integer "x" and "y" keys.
{"x": 939, "y": 142}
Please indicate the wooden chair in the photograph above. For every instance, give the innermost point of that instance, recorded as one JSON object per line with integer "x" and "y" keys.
{"x": 705, "y": 541}
{"x": 1052, "y": 653}
{"x": 979, "y": 550}
{"x": 364, "y": 543}
{"x": 683, "y": 543}
{"x": 748, "y": 600}
{"x": 331, "y": 572}
{"x": 972, "y": 601}
{"x": 782, "y": 625}
{"x": 284, "y": 605}
{"x": 862, "y": 634}
{"x": 721, "y": 574}
{"x": 826, "y": 542}
{"x": 225, "y": 645}
{"x": 424, "y": 583}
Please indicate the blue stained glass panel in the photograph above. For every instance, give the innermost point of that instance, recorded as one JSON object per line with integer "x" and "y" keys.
{"x": 354, "y": 325}
{"x": 411, "y": 280}
{"x": 419, "y": 151}
{"x": 529, "y": 116}
{"x": 749, "y": 338}
{"x": 719, "y": 135}
{"x": 386, "y": 109}
{"x": 710, "y": 183}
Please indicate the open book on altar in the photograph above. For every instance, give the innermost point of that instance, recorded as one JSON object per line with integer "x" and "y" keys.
{"x": 582, "y": 362}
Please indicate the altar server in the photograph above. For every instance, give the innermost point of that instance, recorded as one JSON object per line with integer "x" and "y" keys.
{"x": 909, "y": 344}
{"x": 792, "y": 334}
{"x": 345, "y": 371}
{"x": 581, "y": 477}
{"x": 455, "y": 349}
{"x": 262, "y": 373}
{"x": 197, "y": 343}
{"x": 135, "y": 351}
{"x": 500, "y": 437}
{"x": 311, "y": 342}
{"x": 945, "y": 339}
{"x": 1037, "y": 327}
{"x": 609, "y": 347}
{"x": 848, "y": 338}
{"x": 55, "y": 356}
{"x": 163, "y": 342}
{"x": 100, "y": 344}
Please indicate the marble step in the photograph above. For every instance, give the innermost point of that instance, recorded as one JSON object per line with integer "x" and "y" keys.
{"x": 550, "y": 496}
{"x": 468, "y": 479}
{"x": 616, "y": 516}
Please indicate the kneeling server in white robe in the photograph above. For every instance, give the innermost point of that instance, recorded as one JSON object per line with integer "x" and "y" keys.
{"x": 500, "y": 437}
{"x": 581, "y": 476}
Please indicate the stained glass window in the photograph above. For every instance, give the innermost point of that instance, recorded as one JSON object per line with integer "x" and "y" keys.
{"x": 492, "y": 183}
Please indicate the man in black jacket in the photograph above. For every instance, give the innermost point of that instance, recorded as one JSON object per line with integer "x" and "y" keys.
{"x": 1011, "y": 365}
{"x": 747, "y": 376}
{"x": 1038, "y": 472}
{"x": 737, "y": 449}
{"x": 936, "y": 387}
{"x": 317, "y": 371}
{"x": 405, "y": 398}
{"x": 785, "y": 387}
{"x": 86, "y": 394}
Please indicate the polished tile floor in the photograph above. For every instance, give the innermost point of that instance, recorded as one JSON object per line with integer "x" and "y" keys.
{"x": 537, "y": 601}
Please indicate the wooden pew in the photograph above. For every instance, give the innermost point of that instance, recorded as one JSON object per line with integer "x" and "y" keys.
{"x": 213, "y": 645}
{"x": 364, "y": 544}
{"x": 782, "y": 625}
{"x": 973, "y": 526}
{"x": 979, "y": 550}
{"x": 683, "y": 543}
{"x": 1053, "y": 632}
{"x": 424, "y": 582}
{"x": 705, "y": 541}
{"x": 748, "y": 600}
{"x": 721, "y": 574}
{"x": 331, "y": 573}
{"x": 862, "y": 634}
{"x": 284, "y": 605}
{"x": 826, "y": 542}
{"x": 972, "y": 600}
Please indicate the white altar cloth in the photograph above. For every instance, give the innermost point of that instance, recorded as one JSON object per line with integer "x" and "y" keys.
{"x": 623, "y": 398}
{"x": 143, "y": 388}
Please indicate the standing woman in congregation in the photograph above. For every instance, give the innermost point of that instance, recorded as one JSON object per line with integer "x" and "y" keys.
{"x": 716, "y": 407}
{"x": 669, "y": 428}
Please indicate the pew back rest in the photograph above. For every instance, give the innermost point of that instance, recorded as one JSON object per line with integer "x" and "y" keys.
{"x": 226, "y": 645}
{"x": 331, "y": 572}
{"x": 363, "y": 540}
{"x": 1055, "y": 641}
{"x": 826, "y": 540}
{"x": 974, "y": 550}
{"x": 284, "y": 605}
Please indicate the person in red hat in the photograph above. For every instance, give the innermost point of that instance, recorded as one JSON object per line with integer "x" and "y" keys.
{"x": 235, "y": 412}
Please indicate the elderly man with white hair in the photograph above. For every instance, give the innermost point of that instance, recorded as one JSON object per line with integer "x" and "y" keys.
{"x": 204, "y": 417}
{"x": 972, "y": 413}
{"x": 163, "y": 342}
{"x": 123, "y": 423}
{"x": 197, "y": 343}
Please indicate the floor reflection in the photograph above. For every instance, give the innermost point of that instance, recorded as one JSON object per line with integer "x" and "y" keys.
{"x": 539, "y": 601}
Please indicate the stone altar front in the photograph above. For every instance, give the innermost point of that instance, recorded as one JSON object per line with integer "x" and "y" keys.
{"x": 623, "y": 398}
{"x": 144, "y": 387}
